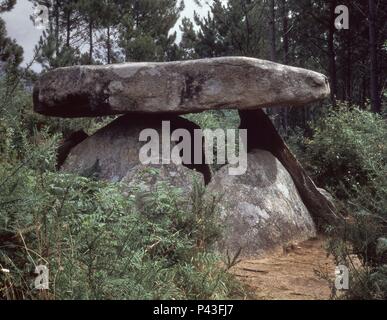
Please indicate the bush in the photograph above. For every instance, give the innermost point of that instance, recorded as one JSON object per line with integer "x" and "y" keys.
{"x": 348, "y": 150}
{"x": 347, "y": 156}
{"x": 100, "y": 244}
{"x": 99, "y": 240}
{"x": 214, "y": 119}
{"x": 218, "y": 119}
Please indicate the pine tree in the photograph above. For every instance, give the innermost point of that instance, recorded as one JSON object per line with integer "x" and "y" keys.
{"x": 11, "y": 54}
{"x": 188, "y": 40}
{"x": 108, "y": 22}
{"x": 6, "y": 5}
{"x": 55, "y": 47}
{"x": 144, "y": 33}
{"x": 90, "y": 11}
{"x": 233, "y": 29}
{"x": 301, "y": 33}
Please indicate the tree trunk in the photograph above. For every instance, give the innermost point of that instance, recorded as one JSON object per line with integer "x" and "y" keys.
{"x": 91, "y": 48}
{"x": 108, "y": 45}
{"x": 274, "y": 111}
{"x": 331, "y": 52}
{"x": 348, "y": 91}
{"x": 285, "y": 30}
{"x": 248, "y": 29}
{"x": 272, "y": 31}
{"x": 136, "y": 10}
{"x": 56, "y": 12}
{"x": 68, "y": 27}
{"x": 375, "y": 101}
{"x": 363, "y": 92}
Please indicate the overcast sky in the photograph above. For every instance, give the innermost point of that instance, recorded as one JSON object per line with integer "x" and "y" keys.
{"x": 20, "y": 27}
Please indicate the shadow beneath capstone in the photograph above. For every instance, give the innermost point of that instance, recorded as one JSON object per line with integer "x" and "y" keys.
{"x": 151, "y": 121}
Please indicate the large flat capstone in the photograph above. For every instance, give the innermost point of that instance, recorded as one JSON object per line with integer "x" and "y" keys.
{"x": 175, "y": 87}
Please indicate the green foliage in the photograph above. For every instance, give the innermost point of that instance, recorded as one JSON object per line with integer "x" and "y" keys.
{"x": 347, "y": 156}
{"x": 6, "y": 5}
{"x": 13, "y": 143}
{"x": 54, "y": 54}
{"x": 10, "y": 52}
{"x": 300, "y": 33}
{"x": 100, "y": 240}
{"x": 215, "y": 119}
{"x": 232, "y": 28}
{"x": 99, "y": 244}
{"x": 145, "y": 27}
{"x": 348, "y": 152}
{"x": 111, "y": 30}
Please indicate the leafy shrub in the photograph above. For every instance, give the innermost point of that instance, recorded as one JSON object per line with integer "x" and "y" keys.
{"x": 100, "y": 244}
{"x": 218, "y": 119}
{"x": 99, "y": 240}
{"x": 348, "y": 150}
{"x": 347, "y": 156}
{"x": 214, "y": 119}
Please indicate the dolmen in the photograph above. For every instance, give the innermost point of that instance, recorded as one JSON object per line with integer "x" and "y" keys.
{"x": 271, "y": 203}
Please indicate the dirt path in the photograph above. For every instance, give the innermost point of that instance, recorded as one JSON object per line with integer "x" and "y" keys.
{"x": 289, "y": 273}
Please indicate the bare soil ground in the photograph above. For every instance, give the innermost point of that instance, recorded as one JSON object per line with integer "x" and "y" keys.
{"x": 288, "y": 273}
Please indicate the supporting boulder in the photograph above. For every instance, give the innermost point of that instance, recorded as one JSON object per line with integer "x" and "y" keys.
{"x": 261, "y": 134}
{"x": 147, "y": 177}
{"x": 112, "y": 152}
{"x": 68, "y": 144}
{"x": 262, "y": 208}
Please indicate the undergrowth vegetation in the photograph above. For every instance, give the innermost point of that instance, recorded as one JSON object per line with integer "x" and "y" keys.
{"x": 347, "y": 155}
{"x": 107, "y": 241}
{"x": 99, "y": 240}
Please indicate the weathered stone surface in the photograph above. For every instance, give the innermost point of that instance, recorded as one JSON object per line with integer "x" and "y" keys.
{"x": 175, "y": 87}
{"x": 261, "y": 134}
{"x": 112, "y": 152}
{"x": 147, "y": 177}
{"x": 262, "y": 208}
{"x": 68, "y": 144}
